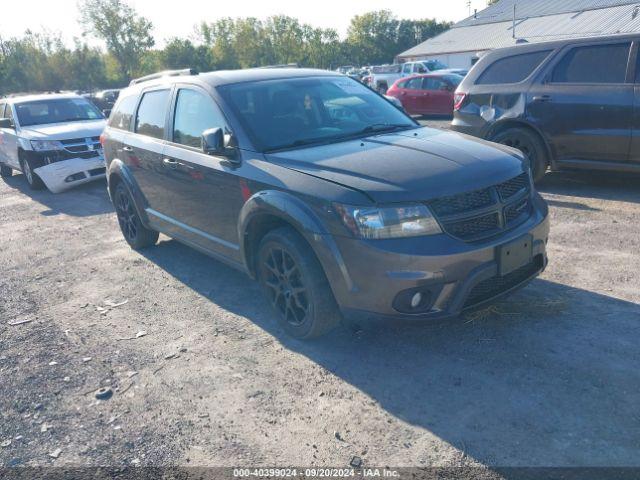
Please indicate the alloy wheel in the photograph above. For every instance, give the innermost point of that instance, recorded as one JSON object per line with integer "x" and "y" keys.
{"x": 127, "y": 215}
{"x": 285, "y": 285}
{"x": 27, "y": 172}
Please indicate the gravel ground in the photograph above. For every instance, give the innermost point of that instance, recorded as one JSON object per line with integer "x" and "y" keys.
{"x": 201, "y": 375}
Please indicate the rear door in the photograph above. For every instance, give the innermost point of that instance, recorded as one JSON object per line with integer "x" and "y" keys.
{"x": 584, "y": 102}
{"x": 437, "y": 100}
{"x": 207, "y": 195}
{"x": 145, "y": 145}
{"x": 412, "y": 96}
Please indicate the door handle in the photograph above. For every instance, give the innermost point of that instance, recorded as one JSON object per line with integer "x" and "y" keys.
{"x": 127, "y": 149}
{"x": 541, "y": 98}
{"x": 167, "y": 162}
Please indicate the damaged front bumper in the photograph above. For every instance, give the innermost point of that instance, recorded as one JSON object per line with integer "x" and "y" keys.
{"x": 65, "y": 174}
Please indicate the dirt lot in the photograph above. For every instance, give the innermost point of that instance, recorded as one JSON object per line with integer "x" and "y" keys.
{"x": 549, "y": 377}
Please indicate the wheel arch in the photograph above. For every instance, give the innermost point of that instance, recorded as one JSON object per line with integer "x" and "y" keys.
{"x": 119, "y": 172}
{"x": 507, "y": 124}
{"x": 268, "y": 210}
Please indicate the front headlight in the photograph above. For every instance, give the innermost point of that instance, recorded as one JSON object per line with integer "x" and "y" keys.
{"x": 46, "y": 145}
{"x": 389, "y": 222}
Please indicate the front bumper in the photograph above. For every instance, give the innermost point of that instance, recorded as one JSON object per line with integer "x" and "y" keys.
{"x": 65, "y": 174}
{"x": 456, "y": 275}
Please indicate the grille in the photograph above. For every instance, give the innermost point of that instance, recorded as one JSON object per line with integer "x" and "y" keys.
{"x": 474, "y": 226}
{"x": 462, "y": 203}
{"x": 509, "y": 188}
{"x": 494, "y": 286}
{"x": 78, "y": 145}
{"x": 480, "y": 214}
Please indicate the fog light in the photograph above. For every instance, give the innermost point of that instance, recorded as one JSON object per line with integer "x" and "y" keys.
{"x": 416, "y": 299}
{"x": 75, "y": 177}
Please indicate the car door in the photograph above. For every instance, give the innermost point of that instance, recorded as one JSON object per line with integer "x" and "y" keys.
{"x": 9, "y": 140}
{"x": 437, "y": 99}
{"x": 584, "y": 102}
{"x": 207, "y": 194}
{"x": 412, "y": 94}
{"x": 144, "y": 148}
{"x": 634, "y": 149}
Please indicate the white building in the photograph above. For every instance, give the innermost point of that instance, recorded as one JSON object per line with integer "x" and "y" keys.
{"x": 533, "y": 21}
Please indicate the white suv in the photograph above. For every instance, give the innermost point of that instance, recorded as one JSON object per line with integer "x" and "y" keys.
{"x": 53, "y": 139}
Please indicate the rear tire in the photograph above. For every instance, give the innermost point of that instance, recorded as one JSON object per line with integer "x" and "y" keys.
{"x": 295, "y": 285}
{"x": 34, "y": 181}
{"x": 5, "y": 172}
{"x": 530, "y": 145}
{"x": 134, "y": 232}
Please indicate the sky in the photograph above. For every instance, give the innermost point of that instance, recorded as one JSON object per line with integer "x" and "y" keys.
{"x": 60, "y": 16}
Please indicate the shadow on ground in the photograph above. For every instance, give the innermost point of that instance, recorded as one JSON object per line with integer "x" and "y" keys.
{"x": 82, "y": 201}
{"x": 550, "y": 377}
{"x": 593, "y": 184}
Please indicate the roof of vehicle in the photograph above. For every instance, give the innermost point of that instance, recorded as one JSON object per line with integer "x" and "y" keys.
{"x": 41, "y": 96}
{"x": 226, "y": 77}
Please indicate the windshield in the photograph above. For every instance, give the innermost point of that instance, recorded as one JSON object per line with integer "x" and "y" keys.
{"x": 287, "y": 113}
{"x": 57, "y": 110}
{"x": 434, "y": 65}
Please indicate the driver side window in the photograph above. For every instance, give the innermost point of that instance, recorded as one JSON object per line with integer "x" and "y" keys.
{"x": 195, "y": 113}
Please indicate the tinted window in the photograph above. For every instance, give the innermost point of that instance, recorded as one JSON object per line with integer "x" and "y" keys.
{"x": 123, "y": 112}
{"x": 593, "y": 64}
{"x": 152, "y": 113}
{"x": 195, "y": 113}
{"x": 406, "y": 68}
{"x": 512, "y": 69}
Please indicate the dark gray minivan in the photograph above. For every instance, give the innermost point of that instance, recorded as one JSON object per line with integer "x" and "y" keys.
{"x": 565, "y": 104}
{"x": 335, "y": 200}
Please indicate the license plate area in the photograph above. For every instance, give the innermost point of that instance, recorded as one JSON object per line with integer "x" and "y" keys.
{"x": 514, "y": 255}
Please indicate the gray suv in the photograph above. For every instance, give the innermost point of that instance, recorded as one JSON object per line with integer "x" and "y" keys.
{"x": 333, "y": 199}
{"x": 569, "y": 104}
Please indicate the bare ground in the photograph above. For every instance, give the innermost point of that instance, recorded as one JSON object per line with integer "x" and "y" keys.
{"x": 548, "y": 377}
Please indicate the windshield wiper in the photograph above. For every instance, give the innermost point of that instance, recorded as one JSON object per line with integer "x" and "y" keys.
{"x": 384, "y": 127}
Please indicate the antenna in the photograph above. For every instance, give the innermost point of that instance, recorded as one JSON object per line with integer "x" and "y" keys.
{"x": 513, "y": 29}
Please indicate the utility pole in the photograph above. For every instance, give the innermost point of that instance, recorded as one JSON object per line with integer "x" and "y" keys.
{"x": 469, "y": 6}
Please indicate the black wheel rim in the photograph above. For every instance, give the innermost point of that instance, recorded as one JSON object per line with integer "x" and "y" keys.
{"x": 126, "y": 215}
{"x": 285, "y": 286}
{"x": 524, "y": 146}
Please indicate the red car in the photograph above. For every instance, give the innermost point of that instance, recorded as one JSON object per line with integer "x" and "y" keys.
{"x": 430, "y": 94}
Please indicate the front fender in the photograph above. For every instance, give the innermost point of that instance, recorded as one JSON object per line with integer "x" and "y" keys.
{"x": 118, "y": 171}
{"x": 299, "y": 215}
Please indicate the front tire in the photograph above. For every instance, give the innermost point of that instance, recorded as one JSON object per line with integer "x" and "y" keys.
{"x": 5, "y": 171}
{"x": 530, "y": 145}
{"x": 295, "y": 285}
{"x": 34, "y": 181}
{"x": 134, "y": 232}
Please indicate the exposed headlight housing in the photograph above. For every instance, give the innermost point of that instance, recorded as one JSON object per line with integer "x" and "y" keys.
{"x": 46, "y": 145}
{"x": 413, "y": 220}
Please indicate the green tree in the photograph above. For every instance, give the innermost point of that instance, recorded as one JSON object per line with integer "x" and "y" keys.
{"x": 126, "y": 34}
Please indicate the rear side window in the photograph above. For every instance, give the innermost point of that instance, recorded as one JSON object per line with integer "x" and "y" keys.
{"x": 512, "y": 69}
{"x": 152, "y": 114}
{"x": 593, "y": 64}
{"x": 123, "y": 113}
{"x": 195, "y": 113}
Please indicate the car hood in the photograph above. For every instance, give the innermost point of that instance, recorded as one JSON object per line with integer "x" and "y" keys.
{"x": 414, "y": 165}
{"x": 64, "y": 131}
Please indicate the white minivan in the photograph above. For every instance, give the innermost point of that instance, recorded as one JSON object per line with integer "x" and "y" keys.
{"x": 54, "y": 139}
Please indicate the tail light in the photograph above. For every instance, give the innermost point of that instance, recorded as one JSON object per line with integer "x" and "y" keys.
{"x": 458, "y": 100}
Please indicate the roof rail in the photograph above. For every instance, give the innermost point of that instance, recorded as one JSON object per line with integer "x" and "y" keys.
{"x": 165, "y": 73}
{"x": 282, "y": 65}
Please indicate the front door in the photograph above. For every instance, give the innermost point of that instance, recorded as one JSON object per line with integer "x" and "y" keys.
{"x": 584, "y": 105}
{"x": 412, "y": 98}
{"x": 9, "y": 140}
{"x": 207, "y": 193}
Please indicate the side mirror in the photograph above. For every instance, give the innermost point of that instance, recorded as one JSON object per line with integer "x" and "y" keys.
{"x": 6, "y": 123}
{"x": 106, "y": 112}
{"x": 213, "y": 141}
